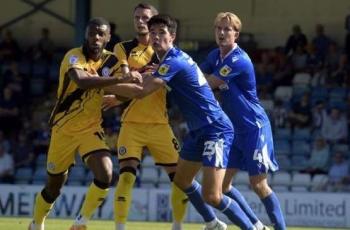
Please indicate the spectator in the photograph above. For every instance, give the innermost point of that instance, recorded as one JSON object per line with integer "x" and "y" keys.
{"x": 300, "y": 116}
{"x": 9, "y": 49}
{"x": 338, "y": 77}
{"x": 282, "y": 69}
{"x": 5, "y": 143}
{"x": 15, "y": 81}
{"x": 6, "y": 166}
{"x": 321, "y": 42}
{"x": 9, "y": 113}
{"x": 300, "y": 59}
{"x": 320, "y": 76}
{"x": 338, "y": 173}
{"x": 280, "y": 115}
{"x": 41, "y": 138}
{"x": 295, "y": 39}
{"x": 115, "y": 38}
{"x": 334, "y": 127}
{"x": 319, "y": 113}
{"x": 23, "y": 152}
{"x": 45, "y": 47}
{"x": 263, "y": 78}
{"x": 317, "y": 164}
{"x": 332, "y": 59}
{"x": 313, "y": 62}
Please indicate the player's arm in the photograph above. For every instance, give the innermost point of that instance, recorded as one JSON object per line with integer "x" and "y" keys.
{"x": 213, "y": 81}
{"x": 130, "y": 90}
{"x": 86, "y": 80}
{"x": 207, "y": 69}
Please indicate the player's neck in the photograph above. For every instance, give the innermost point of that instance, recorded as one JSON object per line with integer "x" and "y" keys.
{"x": 225, "y": 50}
{"x": 162, "y": 53}
{"x": 143, "y": 39}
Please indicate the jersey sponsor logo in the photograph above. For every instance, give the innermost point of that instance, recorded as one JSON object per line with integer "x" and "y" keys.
{"x": 122, "y": 150}
{"x": 105, "y": 71}
{"x": 225, "y": 70}
{"x": 163, "y": 69}
{"x": 73, "y": 59}
{"x": 234, "y": 59}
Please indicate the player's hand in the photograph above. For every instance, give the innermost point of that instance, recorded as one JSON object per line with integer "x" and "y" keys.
{"x": 92, "y": 73}
{"x": 151, "y": 68}
{"x": 110, "y": 101}
{"x": 134, "y": 77}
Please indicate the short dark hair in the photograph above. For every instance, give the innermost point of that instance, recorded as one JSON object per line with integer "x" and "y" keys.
{"x": 163, "y": 19}
{"x": 148, "y": 6}
{"x": 99, "y": 21}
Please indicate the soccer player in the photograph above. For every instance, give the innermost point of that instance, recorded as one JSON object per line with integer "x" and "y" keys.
{"x": 229, "y": 69}
{"x": 144, "y": 125}
{"x": 211, "y": 132}
{"x": 76, "y": 124}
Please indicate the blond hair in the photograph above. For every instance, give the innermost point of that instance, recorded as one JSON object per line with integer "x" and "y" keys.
{"x": 231, "y": 17}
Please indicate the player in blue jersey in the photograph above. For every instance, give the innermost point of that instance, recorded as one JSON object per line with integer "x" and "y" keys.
{"x": 229, "y": 69}
{"x": 209, "y": 141}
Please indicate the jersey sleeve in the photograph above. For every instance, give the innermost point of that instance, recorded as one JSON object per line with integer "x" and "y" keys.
{"x": 120, "y": 52}
{"x": 73, "y": 59}
{"x": 167, "y": 70}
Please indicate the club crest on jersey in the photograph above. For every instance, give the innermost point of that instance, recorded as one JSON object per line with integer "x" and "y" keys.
{"x": 73, "y": 59}
{"x": 105, "y": 71}
{"x": 121, "y": 150}
{"x": 163, "y": 69}
{"x": 51, "y": 166}
{"x": 225, "y": 70}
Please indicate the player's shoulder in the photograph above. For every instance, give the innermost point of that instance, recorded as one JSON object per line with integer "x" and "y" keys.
{"x": 214, "y": 53}
{"x": 238, "y": 57}
{"x": 74, "y": 55}
{"x": 127, "y": 45}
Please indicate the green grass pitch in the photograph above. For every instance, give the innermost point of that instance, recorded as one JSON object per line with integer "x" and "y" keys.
{"x": 62, "y": 224}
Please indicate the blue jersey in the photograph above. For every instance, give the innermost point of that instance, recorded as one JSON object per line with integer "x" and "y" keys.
{"x": 189, "y": 89}
{"x": 239, "y": 94}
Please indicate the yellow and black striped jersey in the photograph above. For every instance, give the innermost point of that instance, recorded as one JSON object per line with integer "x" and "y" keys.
{"x": 76, "y": 109}
{"x": 152, "y": 108}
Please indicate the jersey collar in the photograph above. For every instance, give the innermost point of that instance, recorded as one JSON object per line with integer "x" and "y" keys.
{"x": 229, "y": 53}
{"x": 165, "y": 55}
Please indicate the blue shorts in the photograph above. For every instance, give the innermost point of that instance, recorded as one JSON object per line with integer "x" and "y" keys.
{"x": 210, "y": 144}
{"x": 253, "y": 152}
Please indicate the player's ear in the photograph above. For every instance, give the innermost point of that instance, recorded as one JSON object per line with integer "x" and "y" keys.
{"x": 173, "y": 36}
{"x": 236, "y": 35}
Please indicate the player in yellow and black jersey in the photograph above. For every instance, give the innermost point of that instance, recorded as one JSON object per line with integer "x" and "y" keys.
{"x": 144, "y": 125}
{"x": 76, "y": 123}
